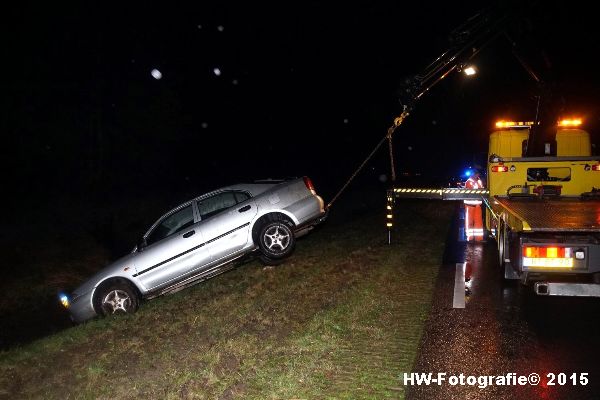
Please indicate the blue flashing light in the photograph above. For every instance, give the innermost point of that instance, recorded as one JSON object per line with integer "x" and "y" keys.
{"x": 468, "y": 172}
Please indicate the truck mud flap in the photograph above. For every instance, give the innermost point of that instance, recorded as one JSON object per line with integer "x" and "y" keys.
{"x": 567, "y": 289}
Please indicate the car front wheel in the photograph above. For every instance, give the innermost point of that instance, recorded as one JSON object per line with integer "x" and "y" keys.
{"x": 118, "y": 298}
{"x": 276, "y": 240}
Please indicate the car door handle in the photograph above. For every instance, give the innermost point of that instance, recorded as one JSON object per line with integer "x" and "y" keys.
{"x": 188, "y": 234}
{"x": 244, "y": 209}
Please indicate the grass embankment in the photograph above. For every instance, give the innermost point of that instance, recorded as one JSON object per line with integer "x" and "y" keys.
{"x": 341, "y": 319}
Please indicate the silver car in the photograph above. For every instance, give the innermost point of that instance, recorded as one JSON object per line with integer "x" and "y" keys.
{"x": 198, "y": 240}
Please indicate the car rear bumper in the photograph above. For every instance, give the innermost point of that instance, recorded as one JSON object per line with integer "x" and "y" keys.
{"x": 307, "y": 210}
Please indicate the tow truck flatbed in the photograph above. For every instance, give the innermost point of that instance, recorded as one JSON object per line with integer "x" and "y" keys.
{"x": 552, "y": 215}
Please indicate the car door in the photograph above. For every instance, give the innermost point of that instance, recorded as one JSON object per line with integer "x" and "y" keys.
{"x": 225, "y": 219}
{"x": 174, "y": 248}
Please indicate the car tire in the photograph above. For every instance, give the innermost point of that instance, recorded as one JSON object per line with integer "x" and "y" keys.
{"x": 117, "y": 298}
{"x": 276, "y": 240}
{"x": 270, "y": 262}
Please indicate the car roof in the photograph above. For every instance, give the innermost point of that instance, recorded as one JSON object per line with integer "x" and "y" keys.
{"x": 253, "y": 188}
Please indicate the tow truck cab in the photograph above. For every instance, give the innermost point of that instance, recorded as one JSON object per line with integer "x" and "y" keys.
{"x": 545, "y": 211}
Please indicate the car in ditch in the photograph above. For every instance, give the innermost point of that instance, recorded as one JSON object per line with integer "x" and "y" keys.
{"x": 199, "y": 239}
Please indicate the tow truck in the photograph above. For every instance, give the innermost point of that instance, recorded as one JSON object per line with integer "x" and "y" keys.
{"x": 544, "y": 212}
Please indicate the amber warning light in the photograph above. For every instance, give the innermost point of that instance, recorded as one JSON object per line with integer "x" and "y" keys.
{"x": 513, "y": 124}
{"x": 573, "y": 122}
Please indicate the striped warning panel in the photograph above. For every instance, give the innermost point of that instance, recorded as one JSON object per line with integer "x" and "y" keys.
{"x": 439, "y": 194}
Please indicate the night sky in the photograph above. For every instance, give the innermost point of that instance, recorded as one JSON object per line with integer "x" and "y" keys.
{"x": 252, "y": 91}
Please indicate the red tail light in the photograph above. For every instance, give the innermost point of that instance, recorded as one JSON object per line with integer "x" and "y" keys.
{"x": 499, "y": 168}
{"x": 309, "y": 184}
{"x": 596, "y": 167}
{"x": 546, "y": 252}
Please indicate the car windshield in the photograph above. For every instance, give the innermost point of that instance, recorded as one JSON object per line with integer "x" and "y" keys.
{"x": 171, "y": 224}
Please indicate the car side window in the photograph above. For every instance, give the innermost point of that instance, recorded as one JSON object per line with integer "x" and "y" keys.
{"x": 241, "y": 196}
{"x": 219, "y": 202}
{"x": 172, "y": 224}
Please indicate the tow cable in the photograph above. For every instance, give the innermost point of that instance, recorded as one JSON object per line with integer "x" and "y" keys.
{"x": 397, "y": 122}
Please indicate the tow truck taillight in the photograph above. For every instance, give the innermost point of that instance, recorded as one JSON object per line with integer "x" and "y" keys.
{"x": 499, "y": 168}
{"x": 596, "y": 167}
{"x": 547, "y": 256}
{"x": 549, "y": 252}
{"x": 309, "y": 184}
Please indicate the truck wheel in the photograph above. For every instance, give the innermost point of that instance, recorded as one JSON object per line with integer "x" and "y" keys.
{"x": 500, "y": 239}
{"x": 117, "y": 298}
{"x": 276, "y": 240}
{"x": 506, "y": 269}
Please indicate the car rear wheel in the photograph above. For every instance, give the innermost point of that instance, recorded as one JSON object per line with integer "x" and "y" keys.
{"x": 276, "y": 240}
{"x": 118, "y": 298}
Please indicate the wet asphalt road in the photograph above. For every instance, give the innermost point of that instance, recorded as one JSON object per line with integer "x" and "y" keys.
{"x": 506, "y": 328}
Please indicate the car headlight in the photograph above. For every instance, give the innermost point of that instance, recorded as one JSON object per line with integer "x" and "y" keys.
{"x": 64, "y": 300}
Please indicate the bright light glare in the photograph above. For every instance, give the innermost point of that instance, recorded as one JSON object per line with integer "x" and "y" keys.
{"x": 470, "y": 71}
{"x": 513, "y": 124}
{"x": 552, "y": 252}
{"x": 217, "y": 71}
{"x": 548, "y": 262}
{"x": 156, "y": 74}
{"x": 570, "y": 122}
{"x": 64, "y": 300}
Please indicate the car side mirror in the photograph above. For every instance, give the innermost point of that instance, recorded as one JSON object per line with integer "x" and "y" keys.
{"x": 141, "y": 244}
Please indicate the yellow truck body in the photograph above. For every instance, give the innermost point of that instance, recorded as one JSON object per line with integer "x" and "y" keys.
{"x": 545, "y": 211}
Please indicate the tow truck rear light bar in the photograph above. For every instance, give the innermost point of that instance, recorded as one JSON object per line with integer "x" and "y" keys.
{"x": 569, "y": 123}
{"x": 596, "y": 167}
{"x": 513, "y": 124}
{"x": 547, "y": 257}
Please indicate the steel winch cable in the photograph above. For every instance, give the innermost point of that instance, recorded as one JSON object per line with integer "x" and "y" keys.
{"x": 397, "y": 122}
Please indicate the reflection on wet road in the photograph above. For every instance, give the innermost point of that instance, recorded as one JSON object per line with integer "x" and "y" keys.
{"x": 505, "y": 328}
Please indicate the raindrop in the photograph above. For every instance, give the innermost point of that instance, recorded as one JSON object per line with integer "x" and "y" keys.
{"x": 199, "y": 26}
{"x": 220, "y": 28}
{"x": 204, "y": 125}
{"x": 410, "y": 148}
{"x": 217, "y": 71}
{"x": 156, "y": 74}
{"x": 234, "y": 82}
{"x": 346, "y": 120}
